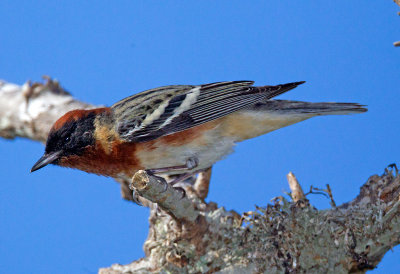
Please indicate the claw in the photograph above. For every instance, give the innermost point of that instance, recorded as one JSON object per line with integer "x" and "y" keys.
{"x": 135, "y": 198}
{"x": 165, "y": 185}
{"x": 161, "y": 180}
{"x": 182, "y": 190}
{"x": 150, "y": 172}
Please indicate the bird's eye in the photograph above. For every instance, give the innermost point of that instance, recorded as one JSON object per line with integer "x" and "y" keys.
{"x": 67, "y": 139}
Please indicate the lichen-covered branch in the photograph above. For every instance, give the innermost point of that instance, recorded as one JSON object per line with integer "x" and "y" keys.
{"x": 187, "y": 234}
{"x": 283, "y": 237}
{"x": 172, "y": 200}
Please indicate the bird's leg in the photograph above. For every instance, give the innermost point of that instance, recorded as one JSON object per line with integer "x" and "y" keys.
{"x": 181, "y": 178}
{"x": 176, "y": 180}
{"x": 190, "y": 164}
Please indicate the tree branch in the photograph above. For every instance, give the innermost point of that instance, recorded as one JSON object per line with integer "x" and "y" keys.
{"x": 281, "y": 237}
{"x": 171, "y": 199}
{"x": 30, "y": 110}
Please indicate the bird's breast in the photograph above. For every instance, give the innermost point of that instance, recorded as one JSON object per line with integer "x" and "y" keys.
{"x": 203, "y": 142}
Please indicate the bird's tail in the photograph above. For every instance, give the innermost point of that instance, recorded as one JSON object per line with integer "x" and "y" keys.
{"x": 271, "y": 115}
{"x": 312, "y": 109}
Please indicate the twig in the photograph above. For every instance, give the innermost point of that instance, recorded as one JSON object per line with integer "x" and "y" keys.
{"x": 297, "y": 191}
{"x": 202, "y": 183}
{"x": 329, "y": 191}
{"x": 170, "y": 199}
{"x": 326, "y": 192}
{"x": 315, "y": 190}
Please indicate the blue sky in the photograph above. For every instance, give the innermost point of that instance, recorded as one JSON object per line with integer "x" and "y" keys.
{"x": 65, "y": 221}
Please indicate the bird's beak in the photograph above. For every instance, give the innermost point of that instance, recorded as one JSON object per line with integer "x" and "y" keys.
{"x": 46, "y": 159}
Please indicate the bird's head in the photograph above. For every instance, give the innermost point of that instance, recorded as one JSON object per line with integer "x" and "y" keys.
{"x": 69, "y": 136}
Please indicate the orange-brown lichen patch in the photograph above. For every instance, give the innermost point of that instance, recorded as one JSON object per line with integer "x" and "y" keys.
{"x": 76, "y": 114}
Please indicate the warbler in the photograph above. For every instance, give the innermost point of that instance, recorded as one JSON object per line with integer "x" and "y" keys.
{"x": 179, "y": 130}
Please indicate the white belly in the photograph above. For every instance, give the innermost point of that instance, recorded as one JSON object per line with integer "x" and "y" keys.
{"x": 207, "y": 149}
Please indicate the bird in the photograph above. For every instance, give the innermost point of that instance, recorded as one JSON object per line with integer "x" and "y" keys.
{"x": 177, "y": 130}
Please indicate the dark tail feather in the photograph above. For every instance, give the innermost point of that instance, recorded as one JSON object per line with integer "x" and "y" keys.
{"x": 273, "y": 91}
{"x": 286, "y": 106}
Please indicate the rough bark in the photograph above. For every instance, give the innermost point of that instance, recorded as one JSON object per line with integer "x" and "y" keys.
{"x": 188, "y": 235}
{"x": 30, "y": 110}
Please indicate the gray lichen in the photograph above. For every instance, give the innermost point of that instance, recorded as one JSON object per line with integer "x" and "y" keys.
{"x": 282, "y": 237}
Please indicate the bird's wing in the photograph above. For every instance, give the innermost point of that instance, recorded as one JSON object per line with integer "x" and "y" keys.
{"x": 166, "y": 110}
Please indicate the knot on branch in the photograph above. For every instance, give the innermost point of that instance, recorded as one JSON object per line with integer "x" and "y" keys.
{"x": 30, "y": 110}
{"x": 32, "y": 90}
